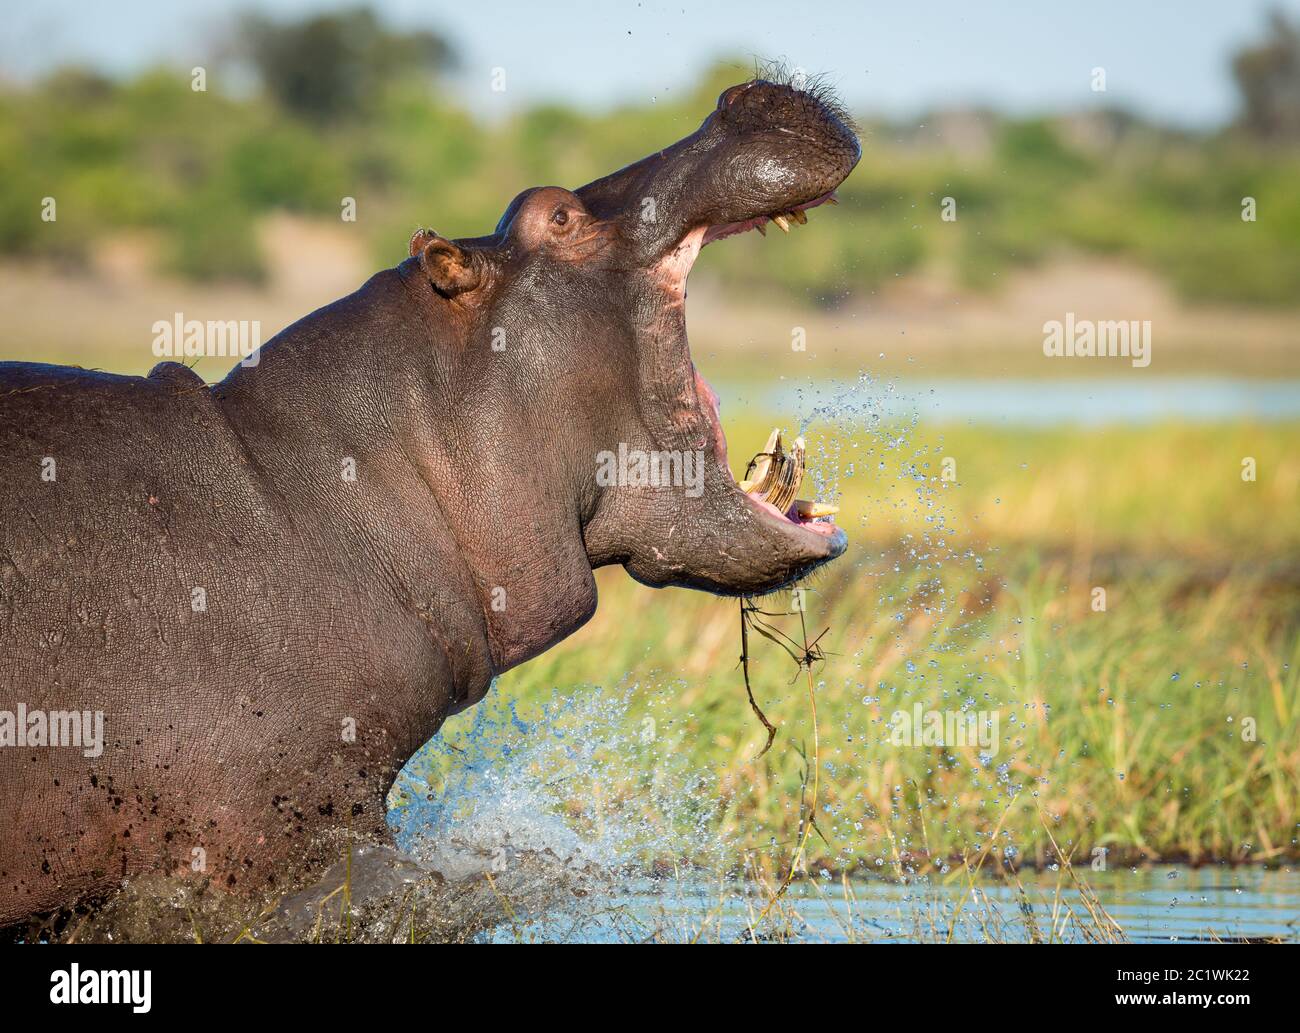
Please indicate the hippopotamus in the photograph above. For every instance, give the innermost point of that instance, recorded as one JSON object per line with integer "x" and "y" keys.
{"x": 231, "y": 612}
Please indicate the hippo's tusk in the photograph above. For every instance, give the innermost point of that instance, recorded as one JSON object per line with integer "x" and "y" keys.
{"x": 774, "y": 475}
{"x": 807, "y": 510}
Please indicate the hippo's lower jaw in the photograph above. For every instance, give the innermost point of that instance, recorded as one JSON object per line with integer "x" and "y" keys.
{"x": 823, "y": 526}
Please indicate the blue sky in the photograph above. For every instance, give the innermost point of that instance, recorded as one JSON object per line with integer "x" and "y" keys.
{"x": 1162, "y": 57}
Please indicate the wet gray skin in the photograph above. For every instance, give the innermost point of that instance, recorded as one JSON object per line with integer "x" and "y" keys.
{"x": 471, "y": 389}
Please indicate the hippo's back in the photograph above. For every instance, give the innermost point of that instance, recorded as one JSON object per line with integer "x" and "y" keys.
{"x": 102, "y": 424}
{"x": 116, "y": 494}
{"x": 132, "y": 530}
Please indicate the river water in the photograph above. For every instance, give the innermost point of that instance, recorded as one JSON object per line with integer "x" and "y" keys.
{"x": 1046, "y": 403}
{"x": 1167, "y": 904}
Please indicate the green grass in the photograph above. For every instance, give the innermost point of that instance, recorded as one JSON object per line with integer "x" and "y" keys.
{"x": 1120, "y": 729}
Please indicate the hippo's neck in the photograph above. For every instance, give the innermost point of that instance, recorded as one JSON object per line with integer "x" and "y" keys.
{"x": 379, "y": 416}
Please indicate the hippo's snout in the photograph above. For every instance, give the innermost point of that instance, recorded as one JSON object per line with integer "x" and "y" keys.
{"x": 767, "y": 152}
{"x": 812, "y": 115}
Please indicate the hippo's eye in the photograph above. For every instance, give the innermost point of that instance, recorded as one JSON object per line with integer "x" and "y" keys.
{"x": 560, "y": 217}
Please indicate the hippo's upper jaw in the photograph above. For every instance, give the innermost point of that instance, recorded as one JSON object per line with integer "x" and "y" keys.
{"x": 766, "y": 153}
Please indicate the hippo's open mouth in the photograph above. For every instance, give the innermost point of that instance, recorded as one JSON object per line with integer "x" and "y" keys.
{"x": 772, "y": 150}
{"x": 775, "y": 474}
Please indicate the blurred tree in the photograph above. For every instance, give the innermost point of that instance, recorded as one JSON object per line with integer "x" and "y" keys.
{"x": 336, "y": 65}
{"x": 1268, "y": 76}
{"x": 79, "y": 85}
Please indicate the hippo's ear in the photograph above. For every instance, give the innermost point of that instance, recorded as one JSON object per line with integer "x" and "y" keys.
{"x": 450, "y": 268}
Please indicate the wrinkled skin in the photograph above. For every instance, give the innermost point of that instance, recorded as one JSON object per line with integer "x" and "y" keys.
{"x": 472, "y": 386}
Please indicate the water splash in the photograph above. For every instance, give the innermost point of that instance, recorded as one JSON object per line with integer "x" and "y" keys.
{"x": 589, "y": 780}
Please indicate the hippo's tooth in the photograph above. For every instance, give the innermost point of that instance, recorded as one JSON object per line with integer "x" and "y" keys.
{"x": 807, "y": 510}
{"x": 780, "y": 221}
{"x": 758, "y": 466}
{"x": 761, "y": 228}
{"x": 832, "y": 200}
{"x": 775, "y": 475}
{"x": 799, "y": 216}
{"x": 764, "y": 468}
{"x": 791, "y": 477}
